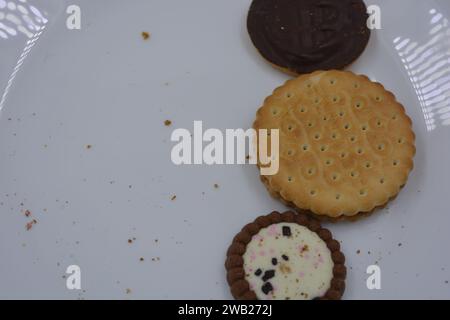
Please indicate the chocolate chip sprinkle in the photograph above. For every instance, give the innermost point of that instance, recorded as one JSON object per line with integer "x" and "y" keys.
{"x": 267, "y": 287}
{"x": 258, "y": 272}
{"x": 285, "y": 257}
{"x": 287, "y": 231}
{"x": 274, "y": 261}
{"x": 269, "y": 274}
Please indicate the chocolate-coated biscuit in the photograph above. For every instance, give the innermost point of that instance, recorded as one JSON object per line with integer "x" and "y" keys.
{"x": 302, "y": 36}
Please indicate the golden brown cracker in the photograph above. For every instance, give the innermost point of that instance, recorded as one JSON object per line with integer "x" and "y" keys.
{"x": 346, "y": 144}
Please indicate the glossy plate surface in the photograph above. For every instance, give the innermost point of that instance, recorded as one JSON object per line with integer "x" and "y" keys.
{"x": 104, "y": 86}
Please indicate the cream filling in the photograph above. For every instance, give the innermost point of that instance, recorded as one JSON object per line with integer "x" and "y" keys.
{"x": 288, "y": 261}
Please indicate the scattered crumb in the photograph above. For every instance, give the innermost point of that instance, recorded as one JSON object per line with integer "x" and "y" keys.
{"x": 128, "y": 290}
{"x": 400, "y": 244}
{"x": 446, "y": 281}
{"x": 166, "y": 84}
{"x": 216, "y": 186}
{"x": 145, "y": 35}
{"x": 88, "y": 146}
{"x": 156, "y": 240}
{"x": 130, "y": 241}
{"x": 155, "y": 259}
{"x": 141, "y": 259}
{"x": 368, "y": 252}
{"x": 358, "y": 251}
{"x": 130, "y": 186}
{"x": 30, "y": 224}
{"x": 173, "y": 197}
{"x": 167, "y": 123}
{"x": 27, "y": 213}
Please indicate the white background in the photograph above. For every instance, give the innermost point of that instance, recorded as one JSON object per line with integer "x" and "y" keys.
{"x": 104, "y": 86}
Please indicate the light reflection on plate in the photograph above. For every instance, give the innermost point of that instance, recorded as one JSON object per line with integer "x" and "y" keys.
{"x": 17, "y": 17}
{"x": 427, "y": 64}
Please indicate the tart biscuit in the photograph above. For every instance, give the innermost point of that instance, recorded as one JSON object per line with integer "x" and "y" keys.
{"x": 285, "y": 257}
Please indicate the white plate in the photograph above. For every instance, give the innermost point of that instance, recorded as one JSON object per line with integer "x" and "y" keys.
{"x": 104, "y": 86}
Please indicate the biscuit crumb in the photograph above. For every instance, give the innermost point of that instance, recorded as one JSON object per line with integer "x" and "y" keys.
{"x": 27, "y": 213}
{"x": 216, "y": 186}
{"x": 167, "y": 123}
{"x": 88, "y": 146}
{"x": 30, "y": 224}
{"x": 358, "y": 251}
{"x": 130, "y": 241}
{"x": 141, "y": 259}
{"x": 145, "y": 35}
{"x": 173, "y": 197}
{"x": 128, "y": 290}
